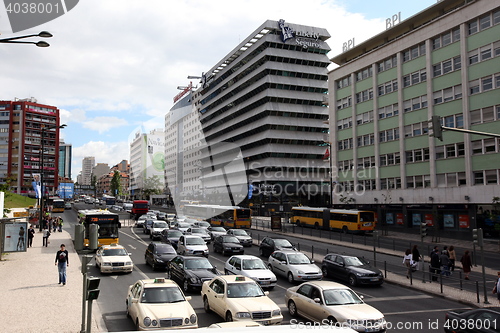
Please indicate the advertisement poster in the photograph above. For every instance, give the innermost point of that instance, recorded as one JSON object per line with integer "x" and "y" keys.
{"x": 429, "y": 220}
{"x": 400, "y": 219}
{"x": 463, "y": 221}
{"x": 66, "y": 190}
{"x": 417, "y": 219}
{"x": 389, "y": 218}
{"x": 15, "y": 236}
{"x": 448, "y": 221}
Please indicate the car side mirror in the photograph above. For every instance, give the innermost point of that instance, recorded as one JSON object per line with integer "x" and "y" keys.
{"x": 181, "y": 265}
{"x": 312, "y": 261}
{"x": 188, "y": 298}
{"x": 266, "y": 293}
{"x": 317, "y": 300}
{"x": 129, "y": 253}
{"x": 134, "y": 300}
{"x": 283, "y": 262}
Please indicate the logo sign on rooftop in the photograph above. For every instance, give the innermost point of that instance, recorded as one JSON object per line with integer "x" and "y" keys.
{"x": 303, "y": 38}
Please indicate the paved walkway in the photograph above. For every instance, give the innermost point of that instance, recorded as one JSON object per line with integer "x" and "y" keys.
{"x": 32, "y": 299}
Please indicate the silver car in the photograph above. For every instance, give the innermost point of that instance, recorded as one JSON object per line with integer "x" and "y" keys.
{"x": 252, "y": 267}
{"x": 294, "y": 265}
{"x": 244, "y": 238}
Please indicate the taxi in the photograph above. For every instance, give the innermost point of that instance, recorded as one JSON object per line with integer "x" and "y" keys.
{"x": 239, "y": 298}
{"x": 113, "y": 258}
{"x": 159, "y": 304}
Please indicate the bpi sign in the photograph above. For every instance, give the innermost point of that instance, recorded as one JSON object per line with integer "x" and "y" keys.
{"x": 392, "y": 21}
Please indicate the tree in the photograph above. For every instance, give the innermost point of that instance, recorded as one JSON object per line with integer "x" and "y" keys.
{"x": 115, "y": 186}
{"x": 152, "y": 185}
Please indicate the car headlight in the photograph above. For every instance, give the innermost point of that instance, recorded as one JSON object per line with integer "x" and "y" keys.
{"x": 106, "y": 264}
{"x": 243, "y": 315}
{"x": 190, "y": 251}
{"x": 147, "y": 321}
{"x": 192, "y": 319}
{"x": 128, "y": 263}
{"x": 300, "y": 272}
{"x": 195, "y": 279}
{"x": 154, "y": 322}
{"x": 276, "y": 312}
{"x": 159, "y": 260}
{"x": 186, "y": 321}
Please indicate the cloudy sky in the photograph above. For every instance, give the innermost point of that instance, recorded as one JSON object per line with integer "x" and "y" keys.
{"x": 114, "y": 66}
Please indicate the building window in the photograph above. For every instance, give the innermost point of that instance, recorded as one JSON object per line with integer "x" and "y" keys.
{"x": 387, "y": 63}
{"x": 387, "y": 87}
{"x": 414, "y": 52}
{"x": 416, "y": 103}
{"x": 390, "y": 159}
{"x": 364, "y": 95}
{"x": 446, "y": 38}
{"x": 366, "y": 140}
{"x": 344, "y": 103}
{"x": 344, "y": 82}
{"x": 484, "y": 84}
{"x": 364, "y": 74}
{"x": 388, "y": 111}
{"x": 448, "y": 94}
{"x": 414, "y": 78}
{"x": 484, "y": 22}
{"x": 364, "y": 118}
{"x": 344, "y": 123}
{"x": 389, "y": 135}
{"x": 416, "y": 129}
{"x": 447, "y": 66}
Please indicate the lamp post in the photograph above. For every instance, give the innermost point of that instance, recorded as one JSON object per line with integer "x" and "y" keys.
{"x": 14, "y": 40}
{"x": 43, "y": 128}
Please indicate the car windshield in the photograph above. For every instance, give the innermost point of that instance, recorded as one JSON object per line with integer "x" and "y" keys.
{"x": 160, "y": 225}
{"x": 164, "y": 249}
{"x": 341, "y": 297}
{"x": 114, "y": 252}
{"x": 183, "y": 225}
{"x": 240, "y": 233}
{"x": 195, "y": 241}
{"x": 198, "y": 231}
{"x": 239, "y": 290}
{"x": 251, "y": 264}
{"x": 174, "y": 233}
{"x": 201, "y": 263}
{"x": 204, "y": 224}
{"x": 354, "y": 261}
{"x": 283, "y": 243}
{"x": 218, "y": 229}
{"x": 162, "y": 295}
{"x": 230, "y": 239}
{"x": 298, "y": 259}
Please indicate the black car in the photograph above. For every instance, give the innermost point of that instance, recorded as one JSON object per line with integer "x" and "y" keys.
{"x": 191, "y": 272}
{"x": 171, "y": 236}
{"x": 227, "y": 244}
{"x": 271, "y": 244}
{"x": 354, "y": 270}
{"x": 485, "y": 320}
{"x": 159, "y": 254}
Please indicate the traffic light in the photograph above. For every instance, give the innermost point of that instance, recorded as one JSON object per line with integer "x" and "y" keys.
{"x": 92, "y": 288}
{"x": 437, "y": 129}
{"x": 477, "y": 236}
{"x": 423, "y": 229}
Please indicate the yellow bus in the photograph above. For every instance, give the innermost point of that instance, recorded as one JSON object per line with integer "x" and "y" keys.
{"x": 108, "y": 223}
{"x": 352, "y": 221}
{"x": 224, "y": 216}
{"x": 57, "y": 205}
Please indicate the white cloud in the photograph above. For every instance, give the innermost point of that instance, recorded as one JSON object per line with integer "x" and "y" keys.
{"x": 104, "y": 124}
{"x": 104, "y": 152}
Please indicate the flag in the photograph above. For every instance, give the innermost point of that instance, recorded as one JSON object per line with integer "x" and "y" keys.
{"x": 327, "y": 154}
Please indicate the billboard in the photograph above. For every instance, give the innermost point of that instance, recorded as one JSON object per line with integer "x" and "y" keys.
{"x": 66, "y": 190}
{"x": 15, "y": 236}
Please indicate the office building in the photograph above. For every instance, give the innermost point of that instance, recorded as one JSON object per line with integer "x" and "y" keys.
{"x": 65, "y": 150}
{"x": 88, "y": 164}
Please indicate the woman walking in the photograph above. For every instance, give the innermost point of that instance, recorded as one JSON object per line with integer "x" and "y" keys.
{"x": 407, "y": 261}
{"x": 453, "y": 257}
{"x": 466, "y": 264}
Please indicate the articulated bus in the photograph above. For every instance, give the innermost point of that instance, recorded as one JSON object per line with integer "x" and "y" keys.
{"x": 57, "y": 205}
{"x": 108, "y": 223}
{"x": 224, "y": 216}
{"x": 352, "y": 221}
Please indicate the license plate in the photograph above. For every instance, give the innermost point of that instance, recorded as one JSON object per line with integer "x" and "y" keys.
{"x": 374, "y": 279}
{"x": 265, "y": 282}
{"x": 264, "y": 322}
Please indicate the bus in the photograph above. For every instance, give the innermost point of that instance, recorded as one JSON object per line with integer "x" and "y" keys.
{"x": 225, "y": 216}
{"x": 58, "y": 205}
{"x": 108, "y": 200}
{"x": 108, "y": 223}
{"x": 139, "y": 207}
{"x": 347, "y": 221}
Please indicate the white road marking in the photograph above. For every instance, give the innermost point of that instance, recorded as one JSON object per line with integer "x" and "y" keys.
{"x": 399, "y": 298}
{"x": 419, "y": 311}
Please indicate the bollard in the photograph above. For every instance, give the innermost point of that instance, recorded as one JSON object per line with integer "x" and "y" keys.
{"x": 79, "y": 235}
{"x": 460, "y": 278}
{"x": 93, "y": 236}
{"x": 312, "y": 252}
{"x": 477, "y": 291}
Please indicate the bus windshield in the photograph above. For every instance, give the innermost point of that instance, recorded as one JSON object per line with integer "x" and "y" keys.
{"x": 366, "y": 217}
{"x": 243, "y": 213}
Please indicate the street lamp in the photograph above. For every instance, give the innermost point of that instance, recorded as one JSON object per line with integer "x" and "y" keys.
{"x": 14, "y": 40}
{"x": 43, "y": 128}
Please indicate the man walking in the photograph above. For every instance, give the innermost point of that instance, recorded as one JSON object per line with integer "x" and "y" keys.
{"x": 62, "y": 261}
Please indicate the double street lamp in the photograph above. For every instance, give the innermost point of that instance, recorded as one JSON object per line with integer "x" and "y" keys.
{"x": 43, "y": 129}
{"x": 15, "y": 40}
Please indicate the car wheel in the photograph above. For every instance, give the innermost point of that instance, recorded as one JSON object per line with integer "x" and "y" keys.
{"x": 290, "y": 277}
{"x": 229, "y": 316}
{"x": 185, "y": 286}
{"x": 126, "y": 309}
{"x": 352, "y": 280}
{"x": 292, "y": 308}
{"x": 261, "y": 252}
{"x": 324, "y": 270}
{"x": 137, "y": 327}
{"x": 224, "y": 253}
{"x": 226, "y": 272}
{"x": 270, "y": 267}
{"x": 150, "y": 237}
{"x": 168, "y": 275}
{"x": 206, "y": 306}
{"x": 154, "y": 266}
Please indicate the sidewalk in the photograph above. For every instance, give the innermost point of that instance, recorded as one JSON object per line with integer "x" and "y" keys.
{"x": 32, "y": 299}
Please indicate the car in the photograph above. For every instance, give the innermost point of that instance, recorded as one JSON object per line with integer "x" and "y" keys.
{"x": 216, "y": 231}
{"x": 294, "y": 265}
{"x": 140, "y": 221}
{"x": 226, "y": 244}
{"x": 334, "y": 304}
{"x": 171, "y": 236}
{"x": 170, "y": 217}
{"x": 271, "y": 244}
{"x": 157, "y": 228}
{"x": 354, "y": 270}
{"x": 252, "y": 267}
{"x": 191, "y": 272}
{"x": 67, "y": 205}
{"x": 484, "y": 320}
{"x": 198, "y": 231}
{"x": 238, "y": 298}
{"x": 244, "y": 238}
{"x": 155, "y": 304}
{"x": 182, "y": 226}
{"x": 146, "y": 227}
{"x": 201, "y": 224}
{"x": 192, "y": 245}
{"x": 233, "y": 324}
{"x": 159, "y": 254}
{"x": 113, "y": 258}
{"x": 162, "y": 216}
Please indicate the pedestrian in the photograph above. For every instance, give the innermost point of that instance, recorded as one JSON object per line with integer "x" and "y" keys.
{"x": 466, "y": 264}
{"x": 415, "y": 254}
{"x": 45, "y": 237}
{"x": 62, "y": 261}
{"x": 20, "y": 241}
{"x": 453, "y": 257}
{"x": 496, "y": 288}
{"x": 445, "y": 263}
{"x": 54, "y": 224}
{"x": 60, "y": 224}
{"x": 435, "y": 265}
{"x": 31, "y": 234}
{"x": 407, "y": 261}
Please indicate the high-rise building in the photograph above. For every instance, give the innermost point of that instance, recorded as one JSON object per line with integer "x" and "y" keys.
{"x": 138, "y": 148}
{"x": 100, "y": 169}
{"x": 65, "y": 150}
{"x": 443, "y": 61}
{"x": 88, "y": 164}
{"x": 23, "y": 122}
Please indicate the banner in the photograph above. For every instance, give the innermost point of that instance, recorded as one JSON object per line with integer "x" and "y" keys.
{"x": 15, "y": 236}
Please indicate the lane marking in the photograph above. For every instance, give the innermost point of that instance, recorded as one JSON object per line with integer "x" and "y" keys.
{"x": 421, "y": 311}
{"x": 399, "y": 298}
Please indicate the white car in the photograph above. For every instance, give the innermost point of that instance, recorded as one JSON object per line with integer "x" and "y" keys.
{"x": 190, "y": 245}
{"x": 214, "y": 232}
{"x": 155, "y": 304}
{"x": 141, "y": 220}
{"x": 199, "y": 231}
{"x": 157, "y": 228}
{"x": 252, "y": 267}
{"x": 113, "y": 258}
{"x": 183, "y": 227}
{"x": 201, "y": 224}
{"x": 294, "y": 265}
{"x": 238, "y": 298}
{"x": 242, "y": 236}
{"x": 332, "y": 303}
